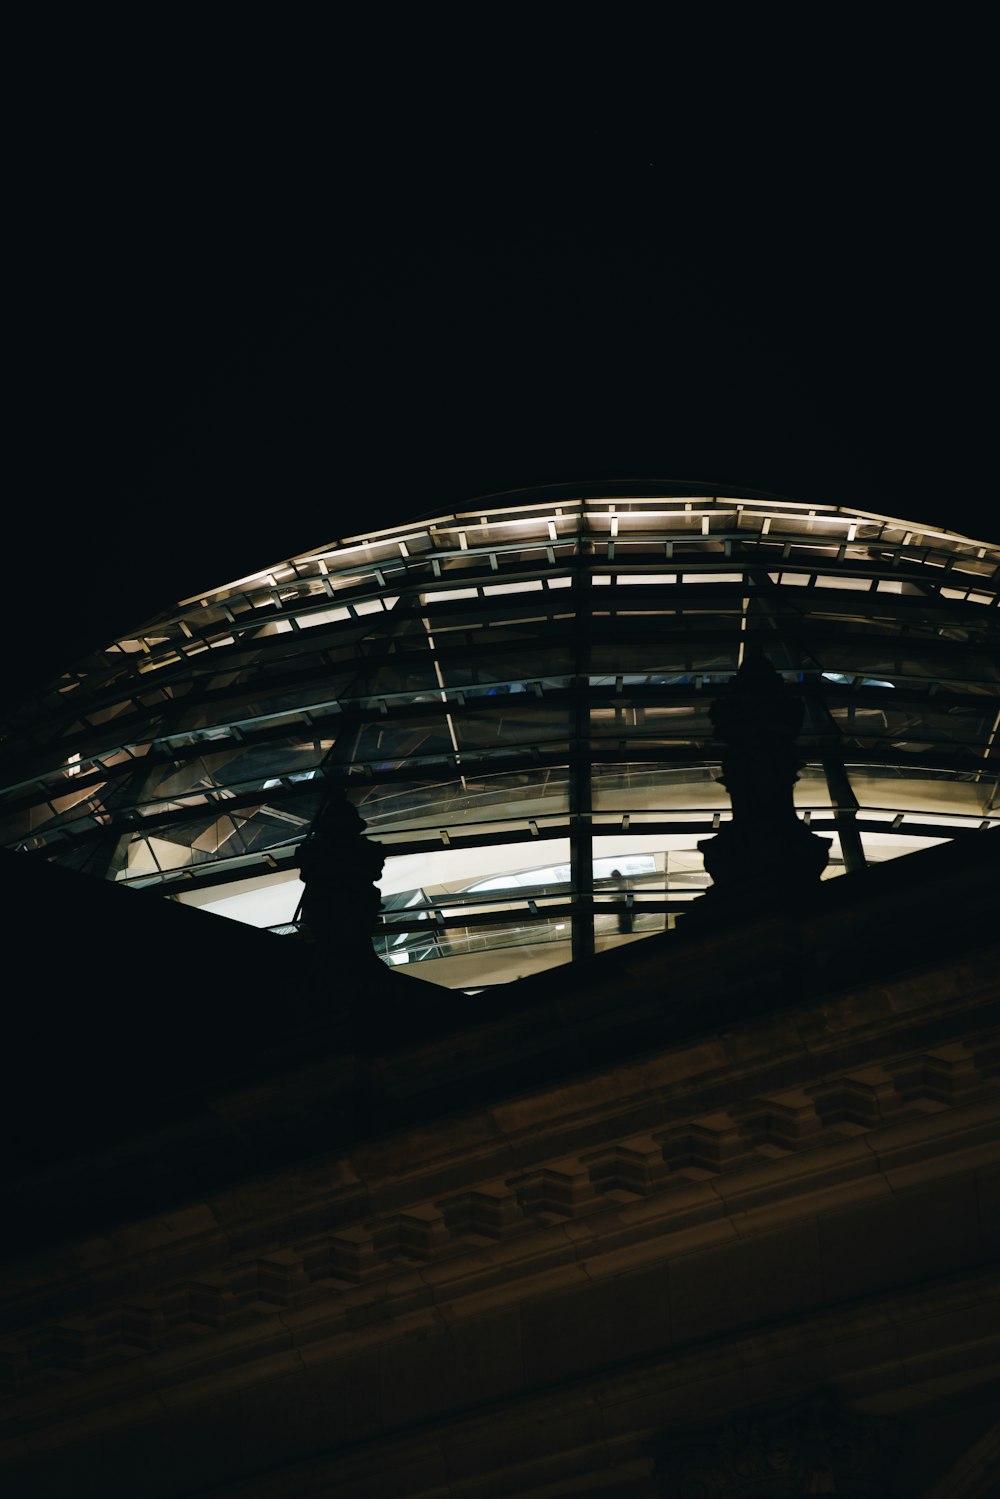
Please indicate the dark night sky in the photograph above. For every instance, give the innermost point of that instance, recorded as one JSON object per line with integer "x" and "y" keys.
{"x": 251, "y": 320}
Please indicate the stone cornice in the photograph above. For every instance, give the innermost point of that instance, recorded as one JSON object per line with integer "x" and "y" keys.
{"x": 896, "y": 1022}
{"x": 618, "y": 1417}
{"x": 539, "y": 1194}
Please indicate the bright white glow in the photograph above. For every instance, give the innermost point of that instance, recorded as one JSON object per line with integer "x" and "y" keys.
{"x": 860, "y": 585}
{"x": 646, "y": 579}
{"x": 454, "y": 869}
{"x": 295, "y": 775}
{"x": 263, "y": 900}
{"x": 547, "y": 874}
{"x": 897, "y": 585}
{"x": 878, "y": 848}
{"x": 711, "y": 577}
{"x": 559, "y": 874}
{"x": 449, "y": 595}
{"x": 534, "y": 586}
{"x": 323, "y": 617}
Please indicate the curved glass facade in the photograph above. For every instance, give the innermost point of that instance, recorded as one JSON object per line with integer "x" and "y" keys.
{"x": 516, "y": 698}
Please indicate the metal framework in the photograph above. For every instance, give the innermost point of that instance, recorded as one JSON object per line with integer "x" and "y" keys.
{"x": 517, "y": 700}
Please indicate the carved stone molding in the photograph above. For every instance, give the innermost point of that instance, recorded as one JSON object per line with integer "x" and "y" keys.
{"x": 813, "y": 1447}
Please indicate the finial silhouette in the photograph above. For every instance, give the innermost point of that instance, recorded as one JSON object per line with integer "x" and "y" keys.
{"x": 765, "y": 852}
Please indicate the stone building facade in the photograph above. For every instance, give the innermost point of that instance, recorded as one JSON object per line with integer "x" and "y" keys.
{"x": 717, "y": 1213}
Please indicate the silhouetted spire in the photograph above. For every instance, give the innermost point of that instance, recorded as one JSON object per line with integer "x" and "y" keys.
{"x": 340, "y": 906}
{"x": 765, "y": 853}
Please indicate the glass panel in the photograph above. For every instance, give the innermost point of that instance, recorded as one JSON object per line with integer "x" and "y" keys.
{"x": 242, "y": 767}
{"x": 670, "y": 789}
{"x": 261, "y": 901}
{"x": 464, "y": 958}
{"x": 511, "y": 721}
{"x": 450, "y": 871}
{"x": 835, "y": 863}
{"x": 811, "y": 790}
{"x": 607, "y": 935}
{"x": 387, "y": 743}
{"x": 879, "y": 847}
{"x": 924, "y": 796}
{"x": 463, "y": 800}
{"x": 651, "y": 867}
{"x": 461, "y": 901}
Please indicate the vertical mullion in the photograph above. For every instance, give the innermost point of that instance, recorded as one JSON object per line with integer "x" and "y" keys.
{"x": 845, "y": 805}
{"x": 581, "y": 805}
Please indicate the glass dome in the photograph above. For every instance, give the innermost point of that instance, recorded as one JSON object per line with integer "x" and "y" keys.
{"x": 516, "y": 698}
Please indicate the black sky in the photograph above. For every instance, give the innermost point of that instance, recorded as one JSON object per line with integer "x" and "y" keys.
{"x": 252, "y": 319}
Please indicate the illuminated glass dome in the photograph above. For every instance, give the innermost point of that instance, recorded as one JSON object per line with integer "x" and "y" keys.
{"x": 516, "y": 698}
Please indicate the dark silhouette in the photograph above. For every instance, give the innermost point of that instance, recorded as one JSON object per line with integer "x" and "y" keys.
{"x": 765, "y": 854}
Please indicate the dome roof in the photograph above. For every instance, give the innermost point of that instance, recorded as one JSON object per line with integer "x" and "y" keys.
{"x": 516, "y": 698}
